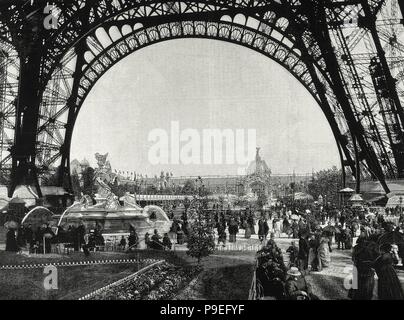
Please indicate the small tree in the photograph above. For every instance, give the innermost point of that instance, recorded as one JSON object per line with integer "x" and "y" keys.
{"x": 201, "y": 240}
{"x": 189, "y": 187}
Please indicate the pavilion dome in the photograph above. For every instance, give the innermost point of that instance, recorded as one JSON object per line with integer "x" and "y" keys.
{"x": 258, "y": 166}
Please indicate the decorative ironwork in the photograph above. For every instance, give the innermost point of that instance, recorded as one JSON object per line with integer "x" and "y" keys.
{"x": 347, "y": 54}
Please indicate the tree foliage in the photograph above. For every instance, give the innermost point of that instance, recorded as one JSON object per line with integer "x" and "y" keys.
{"x": 76, "y": 185}
{"x": 189, "y": 187}
{"x": 201, "y": 239}
{"x": 326, "y": 183}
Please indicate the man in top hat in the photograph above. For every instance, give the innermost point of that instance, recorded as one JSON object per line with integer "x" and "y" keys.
{"x": 296, "y": 286}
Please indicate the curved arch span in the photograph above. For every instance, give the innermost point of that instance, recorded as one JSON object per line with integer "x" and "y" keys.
{"x": 33, "y": 210}
{"x": 98, "y": 57}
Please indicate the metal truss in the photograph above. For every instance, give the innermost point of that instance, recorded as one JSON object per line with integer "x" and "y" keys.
{"x": 9, "y": 68}
{"x": 347, "y": 54}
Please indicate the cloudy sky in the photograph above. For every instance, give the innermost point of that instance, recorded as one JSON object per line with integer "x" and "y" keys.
{"x": 202, "y": 84}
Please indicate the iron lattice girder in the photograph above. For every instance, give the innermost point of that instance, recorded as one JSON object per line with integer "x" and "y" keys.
{"x": 234, "y": 13}
{"x": 106, "y": 59}
{"x": 79, "y": 18}
{"x": 387, "y": 140}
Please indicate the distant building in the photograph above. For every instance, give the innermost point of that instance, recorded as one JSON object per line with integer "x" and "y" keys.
{"x": 258, "y": 179}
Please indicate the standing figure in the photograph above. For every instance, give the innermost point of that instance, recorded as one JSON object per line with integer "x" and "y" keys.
{"x": 293, "y": 251}
{"x": 286, "y": 226}
{"x": 147, "y": 240}
{"x": 324, "y": 257}
{"x": 251, "y": 222}
{"x": 303, "y": 252}
{"x": 313, "y": 261}
{"x": 295, "y": 229}
{"x": 363, "y": 256}
{"x": 133, "y": 239}
{"x": 233, "y": 230}
{"x": 389, "y": 286}
{"x": 11, "y": 241}
{"x": 167, "y": 242}
{"x": 262, "y": 229}
{"x": 122, "y": 243}
{"x": 221, "y": 230}
{"x": 277, "y": 227}
{"x": 247, "y": 233}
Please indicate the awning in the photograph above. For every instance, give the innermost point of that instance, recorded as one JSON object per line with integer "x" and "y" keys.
{"x": 356, "y": 198}
{"x": 346, "y": 190}
{"x": 378, "y": 199}
{"x": 395, "y": 201}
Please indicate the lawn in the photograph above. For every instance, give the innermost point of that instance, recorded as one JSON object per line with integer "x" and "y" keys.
{"x": 225, "y": 275}
{"x": 73, "y": 281}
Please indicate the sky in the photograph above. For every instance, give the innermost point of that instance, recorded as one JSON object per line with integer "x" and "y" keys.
{"x": 201, "y": 84}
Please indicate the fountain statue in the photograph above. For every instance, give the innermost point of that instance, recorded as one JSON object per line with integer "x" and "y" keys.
{"x": 114, "y": 215}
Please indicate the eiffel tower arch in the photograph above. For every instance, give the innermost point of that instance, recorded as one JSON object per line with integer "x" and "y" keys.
{"x": 336, "y": 50}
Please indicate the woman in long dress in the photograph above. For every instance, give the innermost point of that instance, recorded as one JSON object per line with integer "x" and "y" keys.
{"x": 277, "y": 228}
{"x": 11, "y": 241}
{"x": 324, "y": 256}
{"x": 389, "y": 286}
{"x": 363, "y": 256}
{"x": 247, "y": 233}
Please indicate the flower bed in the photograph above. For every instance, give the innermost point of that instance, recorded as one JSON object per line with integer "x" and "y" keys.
{"x": 162, "y": 282}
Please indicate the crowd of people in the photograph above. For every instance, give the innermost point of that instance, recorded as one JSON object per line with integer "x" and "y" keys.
{"x": 38, "y": 241}
{"x": 378, "y": 248}
{"x": 275, "y": 280}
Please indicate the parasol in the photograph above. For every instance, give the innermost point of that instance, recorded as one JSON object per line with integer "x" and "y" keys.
{"x": 331, "y": 229}
{"x": 391, "y": 237}
{"x": 48, "y": 235}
